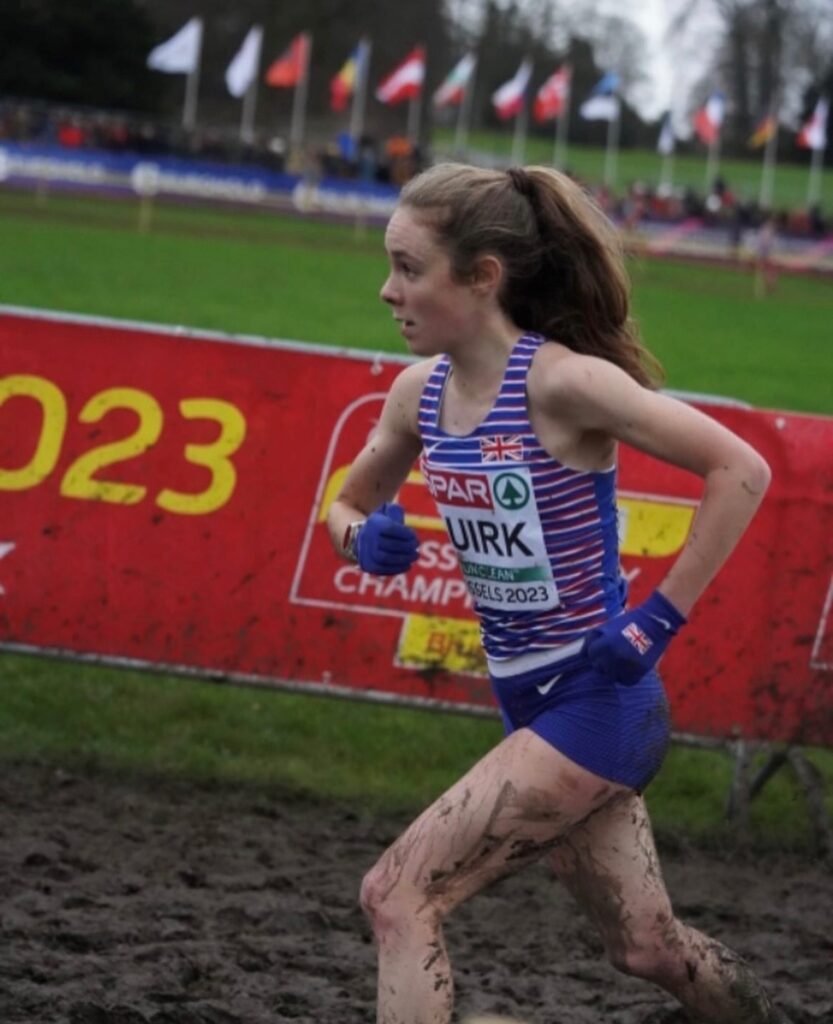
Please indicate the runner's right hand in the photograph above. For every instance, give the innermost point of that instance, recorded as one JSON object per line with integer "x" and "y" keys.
{"x": 384, "y": 545}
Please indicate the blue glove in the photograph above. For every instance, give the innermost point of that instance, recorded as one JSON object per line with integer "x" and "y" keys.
{"x": 384, "y": 545}
{"x": 630, "y": 644}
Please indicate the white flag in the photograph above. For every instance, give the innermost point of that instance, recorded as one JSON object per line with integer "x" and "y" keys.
{"x": 179, "y": 55}
{"x": 243, "y": 68}
{"x": 666, "y": 140}
{"x": 600, "y": 108}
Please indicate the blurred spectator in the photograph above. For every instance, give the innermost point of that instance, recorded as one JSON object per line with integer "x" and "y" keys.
{"x": 71, "y": 133}
{"x": 401, "y": 159}
{"x": 368, "y": 160}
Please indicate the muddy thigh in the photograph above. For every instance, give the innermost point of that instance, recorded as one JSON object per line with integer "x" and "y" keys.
{"x": 509, "y": 810}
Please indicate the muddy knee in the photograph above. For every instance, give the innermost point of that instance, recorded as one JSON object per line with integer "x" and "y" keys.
{"x": 371, "y": 895}
{"x": 389, "y": 904}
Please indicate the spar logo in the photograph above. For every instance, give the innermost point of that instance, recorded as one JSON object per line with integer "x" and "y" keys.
{"x": 511, "y": 492}
{"x": 458, "y": 489}
{"x": 464, "y": 490}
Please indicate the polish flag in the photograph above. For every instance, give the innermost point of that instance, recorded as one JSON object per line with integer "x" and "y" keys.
{"x": 405, "y": 81}
{"x": 551, "y": 100}
{"x": 813, "y": 134}
{"x": 709, "y": 118}
{"x": 509, "y": 98}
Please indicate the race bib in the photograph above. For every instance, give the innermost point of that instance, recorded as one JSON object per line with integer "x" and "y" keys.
{"x": 493, "y": 522}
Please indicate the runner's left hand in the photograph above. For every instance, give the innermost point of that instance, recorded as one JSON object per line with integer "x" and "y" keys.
{"x": 630, "y": 644}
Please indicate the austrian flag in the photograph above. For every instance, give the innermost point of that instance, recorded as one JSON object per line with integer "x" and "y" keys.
{"x": 496, "y": 448}
{"x": 405, "y": 81}
{"x": 636, "y": 638}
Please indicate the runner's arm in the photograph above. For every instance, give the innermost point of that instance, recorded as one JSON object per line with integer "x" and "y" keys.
{"x": 597, "y": 395}
{"x": 382, "y": 466}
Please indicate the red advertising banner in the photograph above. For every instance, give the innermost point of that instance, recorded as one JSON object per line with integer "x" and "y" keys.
{"x": 164, "y": 496}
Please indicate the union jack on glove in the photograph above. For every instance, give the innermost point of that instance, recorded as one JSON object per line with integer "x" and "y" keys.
{"x": 630, "y": 644}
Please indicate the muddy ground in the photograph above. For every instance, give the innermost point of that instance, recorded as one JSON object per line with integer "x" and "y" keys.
{"x": 127, "y": 901}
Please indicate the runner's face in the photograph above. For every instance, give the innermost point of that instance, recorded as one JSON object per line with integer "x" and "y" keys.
{"x": 435, "y": 311}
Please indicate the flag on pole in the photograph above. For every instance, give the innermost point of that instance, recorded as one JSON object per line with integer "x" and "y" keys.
{"x": 508, "y": 100}
{"x": 603, "y": 102}
{"x": 551, "y": 99}
{"x": 179, "y": 55}
{"x": 405, "y": 81}
{"x": 709, "y": 118}
{"x": 242, "y": 70}
{"x": 288, "y": 70}
{"x": 453, "y": 88}
{"x": 764, "y": 131}
{"x": 813, "y": 134}
{"x": 667, "y": 139}
{"x": 343, "y": 84}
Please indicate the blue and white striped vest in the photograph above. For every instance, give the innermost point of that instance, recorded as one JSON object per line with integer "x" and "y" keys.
{"x": 537, "y": 541}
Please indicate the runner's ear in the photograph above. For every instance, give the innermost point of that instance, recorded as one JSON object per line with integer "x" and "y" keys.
{"x": 487, "y": 274}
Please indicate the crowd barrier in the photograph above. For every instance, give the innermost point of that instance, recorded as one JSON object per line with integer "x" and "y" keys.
{"x": 43, "y": 167}
{"x": 164, "y": 495}
{"x": 178, "y": 178}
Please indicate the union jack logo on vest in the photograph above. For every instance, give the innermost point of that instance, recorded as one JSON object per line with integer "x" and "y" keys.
{"x": 635, "y": 636}
{"x": 500, "y": 449}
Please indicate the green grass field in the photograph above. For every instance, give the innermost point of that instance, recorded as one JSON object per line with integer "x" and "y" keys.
{"x": 289, "y": 278}
{"x": 261, "y": 274}
{"x": 640, "y": 165}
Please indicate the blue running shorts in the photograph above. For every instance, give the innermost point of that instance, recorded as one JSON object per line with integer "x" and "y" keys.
{"x": 618, "y": 732}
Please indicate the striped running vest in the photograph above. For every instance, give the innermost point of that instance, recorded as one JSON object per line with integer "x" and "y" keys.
{"x": 537, "y": 541}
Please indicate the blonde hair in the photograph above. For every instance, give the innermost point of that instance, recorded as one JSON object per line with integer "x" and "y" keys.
{"x": 564, "y": 269}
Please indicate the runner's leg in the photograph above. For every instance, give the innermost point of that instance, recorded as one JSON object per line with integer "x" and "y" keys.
{"x": 610, "y": 865}
{"x": 506, "y": 812}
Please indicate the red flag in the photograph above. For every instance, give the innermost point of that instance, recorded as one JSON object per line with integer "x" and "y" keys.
{"x": 405, "y": 81}
{"x": 551, "y": 100}
{"x": 709, "y": 118}
{"x": 288, "y": 70}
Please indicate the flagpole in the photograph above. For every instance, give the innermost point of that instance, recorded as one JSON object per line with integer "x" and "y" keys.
{"x": 560, "y": 153}
{"x": 360, "y": 92}
{"x": 247, "y": 118}
{"x": 612, "y": 145}
{"x": 192, "y": 85}
{"x": 712, "y": 162}
{"x": 461, "y": 134}
{"x": 814, "y": 181}
{"x": 299, "y": 99}
{"x": 414, "y": 111}
{"x": 519, "y": 140}
{"x": 665, "y": 146}
{"x": 666, "y": 175}
{"x": 768, "y": 170}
